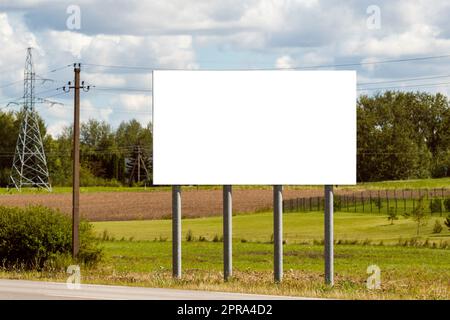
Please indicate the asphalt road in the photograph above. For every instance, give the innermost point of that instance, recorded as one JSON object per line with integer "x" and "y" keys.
{"x": 39, "y": 290}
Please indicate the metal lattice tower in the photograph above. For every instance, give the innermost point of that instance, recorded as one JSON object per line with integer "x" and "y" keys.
{"x": 29, "y": 168}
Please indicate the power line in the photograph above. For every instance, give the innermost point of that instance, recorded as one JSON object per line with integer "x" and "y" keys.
{"x": 60, "y": 68}
{"x": 121, "y": 89}
{"x": 407, "y": 86}
{"x": 118, "y": 67}
{"x": 288, "y": 68}
{"x": 405, "y": 80}
{"x": 11, "y": 83}
{"x": 115, "y": 110}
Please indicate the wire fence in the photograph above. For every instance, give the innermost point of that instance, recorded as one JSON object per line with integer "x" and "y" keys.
{"x": 435, "y": 201}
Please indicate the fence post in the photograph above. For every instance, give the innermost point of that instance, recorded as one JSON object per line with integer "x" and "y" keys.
{"x": 370, "y": 198}
{"x": 362, "y": 201}
{"x": 387, "y": 201}
{"x": 379, "y": 202}
{"x": 395, "y": 198}
{"x": 404, "y": 205}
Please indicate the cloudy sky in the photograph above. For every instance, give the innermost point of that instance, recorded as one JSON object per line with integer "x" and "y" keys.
{"x": 120, "y": 42}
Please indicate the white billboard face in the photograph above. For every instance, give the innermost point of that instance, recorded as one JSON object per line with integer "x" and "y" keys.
{"x": 254, "y": 127}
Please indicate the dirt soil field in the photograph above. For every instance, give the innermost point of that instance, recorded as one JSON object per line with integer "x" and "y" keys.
{"x": 108, "y": 206}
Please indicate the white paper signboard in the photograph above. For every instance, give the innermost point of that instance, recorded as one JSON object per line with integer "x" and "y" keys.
{"x": 254, "y": 127}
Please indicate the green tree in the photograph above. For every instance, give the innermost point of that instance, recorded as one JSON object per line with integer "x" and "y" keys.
{"x": 419, "y": 215}
{"x": 129, "y": 135}
{"x": 392, "y": 215}
{"x": 447, "y": 222}
{"x": 98, "y": 148}
{"x": 403, "y": 136}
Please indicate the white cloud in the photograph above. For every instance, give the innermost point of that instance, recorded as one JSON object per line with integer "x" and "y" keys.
{"x": 89, "y": 110}
{"x": 284, "y": 62}
{"x": 182, "y": 33}
{"x": 137, "y": 106}
{"x": 57, "y": 127}
{"x": 135, "y": 102}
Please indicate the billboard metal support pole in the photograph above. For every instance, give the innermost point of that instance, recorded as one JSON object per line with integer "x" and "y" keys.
{"x": 278, "y": 232}
{"x": 176, "y": 231}
{"x": 227, "y": 232}
{"x": 329, "y": 255}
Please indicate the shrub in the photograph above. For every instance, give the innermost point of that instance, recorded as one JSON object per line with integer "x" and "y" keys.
{"x": 189, "y": 236}
{"x": 419, "y": 214}
{"x": 392, "y": 215}
{"x": 88, "y": 179}
{"x": 378, "y": 203}
{"x": 36, "y": 236}
{"x": 337, "y": 203}
{"x": 447, "y": 204}
{"x": 437, "y": 227}
{"x": 447, "y": 222}
{"x": 435, "y": 205}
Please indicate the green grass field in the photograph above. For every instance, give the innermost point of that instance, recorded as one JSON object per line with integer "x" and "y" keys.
{"x": 139, "y": 253}
{"x": 298, "y": 228}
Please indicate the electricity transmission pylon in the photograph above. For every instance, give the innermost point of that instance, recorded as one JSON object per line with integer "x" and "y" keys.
{"x": 29, "y": 168}
{"x": 139, "y": 164}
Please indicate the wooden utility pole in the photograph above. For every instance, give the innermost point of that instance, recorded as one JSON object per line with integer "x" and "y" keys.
{"x": 76, "y": 166}
{"x": 76, "y": 157}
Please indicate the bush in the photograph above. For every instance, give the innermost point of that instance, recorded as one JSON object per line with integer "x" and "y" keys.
{"x": 435, "y": 205}
{"x": 447, "y": 222}
{"x": 337, "y": 203}
{"x": 35, "y": 237}
{"x": 189, "y": 236}
{"x": 378, "y": 203}
{"x": 392, "y": 215}
{"x": 88, "y": 179}
{"x": 437, "y": 227}
{"x": 447, "y": 204}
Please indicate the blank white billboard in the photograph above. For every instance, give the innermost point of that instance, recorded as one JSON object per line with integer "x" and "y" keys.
{"x": 254, "y": 127}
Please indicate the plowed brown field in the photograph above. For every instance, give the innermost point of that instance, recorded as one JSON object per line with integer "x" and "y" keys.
{"x": 106, "y": 206}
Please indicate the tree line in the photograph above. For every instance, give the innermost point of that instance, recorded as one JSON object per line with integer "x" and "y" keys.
{"x": 106, "y": 154}
{"x": 399, "y": 136}
{"x": 403, "y": 135}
